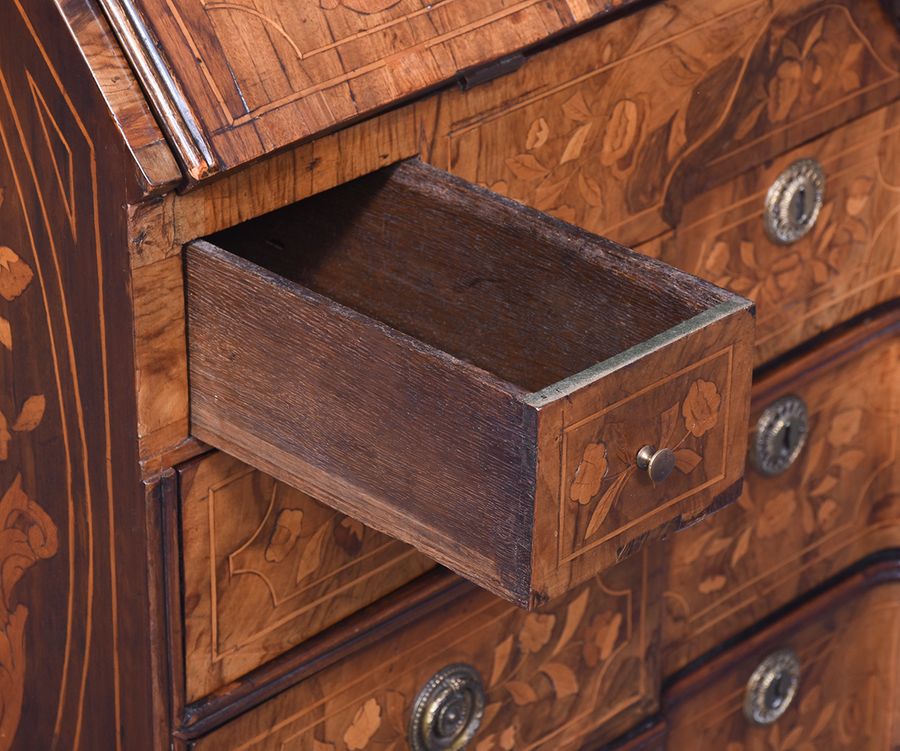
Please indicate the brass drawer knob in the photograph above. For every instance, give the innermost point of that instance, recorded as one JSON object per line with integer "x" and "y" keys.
{"x": 657, "y": 464}
{"x": 794, "y": 201}
{"x": 447, "y": 711}
{"x": 781, "y": 433}
{"x": 772, "y": 687}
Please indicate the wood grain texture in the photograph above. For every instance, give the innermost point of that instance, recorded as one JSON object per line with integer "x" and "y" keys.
{"x": 162, "y": 91}
{"x": 155, "y": 168}
{"x": 587, "y": 142}
{"x": 552, "y": 677}
{"x": 435, "y": 591}
{"x": 650, "y": 739}
{"x": 617, "y": 129}
{"x": 848, "y": 643}
{"x": 603, "y": 509}
{"x": 162, "y": 414}
{"x": 892, "y": 8}
{"x": 259, "y": 78}
{"x": 291, "y": 87}
{"x": 436, "y": 343}
{"x": 849, "y": 263}
{"x": 81, "y": 598}
{"x": 266, "y": 567}
{"x": 158, "y": 229}
{"x": 515, "y": 135}
{"x": 788, "y": 533}
{"x": 80, "y": 559}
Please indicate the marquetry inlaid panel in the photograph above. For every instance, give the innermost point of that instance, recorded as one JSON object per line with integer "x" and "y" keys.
{"x": 603, "y": 490}
{"x": 28, "y": 534}
{"x": 584, "y": 131}
{"x": 617, "y": 129}
{"x": 75, "y": 648}
{"x": 552, "y": 677}
{"x": 848, "y": 263}
{"x": 789, "y": 532}
{"x": 266, "y": 566}
{"x": 264, "y": 74}
{"x": 848, "y": 693}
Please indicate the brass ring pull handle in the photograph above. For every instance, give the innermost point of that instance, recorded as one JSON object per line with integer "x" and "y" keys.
{"x": 772, "y": 687}
{"x": 657, "y": 464}
{"x": 447, "y": 711}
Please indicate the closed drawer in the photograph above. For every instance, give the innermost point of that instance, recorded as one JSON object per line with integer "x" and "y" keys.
{"x": 470, "y": 376}
{"x": 650, "y": 739}
{"x": 849, "y": 260}
{"x": 266, "y": 567}
{"x": 825, "y": 678}
{"x": 574, "y": 675}
{"x": 620, "y": 128}
{"x": 836, "y": 503}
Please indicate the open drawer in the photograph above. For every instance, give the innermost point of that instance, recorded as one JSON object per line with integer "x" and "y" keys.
{"x": 521, "y": 400}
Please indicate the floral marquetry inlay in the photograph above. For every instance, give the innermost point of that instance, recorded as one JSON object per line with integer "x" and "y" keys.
{"x": 699, "y": 414}
{"x": 15, "y": 274}
{"x": 552, "y": 678}
{"x": 605, "y": 490}
{"x": 788, "y": 532}
{"x": 639, "y": 125}
{"x": 27, "y": 533}
{"x": 846, "y": 699}
{"x": 847, "y": 263}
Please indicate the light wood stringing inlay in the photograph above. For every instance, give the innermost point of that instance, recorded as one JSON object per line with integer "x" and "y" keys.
{"x": 266, "y": 566}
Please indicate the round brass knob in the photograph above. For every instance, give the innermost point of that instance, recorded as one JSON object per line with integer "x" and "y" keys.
{"x": 794, "y": 201}
{"x": 447, "y": 711}
{"x": 657, "y": 464}
{"x": 781, "y": 433}
{"x": 772, "y": 687}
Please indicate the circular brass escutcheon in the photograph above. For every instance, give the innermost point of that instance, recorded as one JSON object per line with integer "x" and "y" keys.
{"x": 772, "y": 687}
{"x": 447, "y": 711}
{"x": 781, "y": 433}
{"x": 794, "y": 201}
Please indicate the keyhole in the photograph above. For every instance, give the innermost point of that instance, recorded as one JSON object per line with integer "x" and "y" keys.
{"x": 798, "y": 206}
{"x": 778, "y": 691}
{"x": 787, "y": 439}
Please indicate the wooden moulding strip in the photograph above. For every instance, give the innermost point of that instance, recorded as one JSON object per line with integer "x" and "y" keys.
{"x": 169, "y": 102}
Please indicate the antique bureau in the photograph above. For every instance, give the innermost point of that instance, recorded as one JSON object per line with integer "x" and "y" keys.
{"x": 486, "y": 374}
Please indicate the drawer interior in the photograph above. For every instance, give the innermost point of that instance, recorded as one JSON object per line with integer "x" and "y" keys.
{"x": 522, "y": 296}
{"x": 468, "y": 375}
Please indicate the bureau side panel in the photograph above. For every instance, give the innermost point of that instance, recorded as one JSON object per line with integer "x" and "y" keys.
{"x": 75, "y": 619}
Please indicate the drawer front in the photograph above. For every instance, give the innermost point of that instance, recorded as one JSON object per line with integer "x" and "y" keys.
{"x": 653, "y": 739}
{"x": 552, "y": 678}
{"x": 838, "y": 502}
{"x": 618, "y": 129}
{"x": 848, "y": 676}
{"x": 266, "y": 566}
{"x": 522, "y": 401}
{"x": 849, "y": 261}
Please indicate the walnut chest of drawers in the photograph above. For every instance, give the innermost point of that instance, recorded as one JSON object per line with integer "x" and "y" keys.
{"x": 384, "y": 374}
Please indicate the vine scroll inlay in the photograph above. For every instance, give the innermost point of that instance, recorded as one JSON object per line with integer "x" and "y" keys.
{"x": 27, "y": 533}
